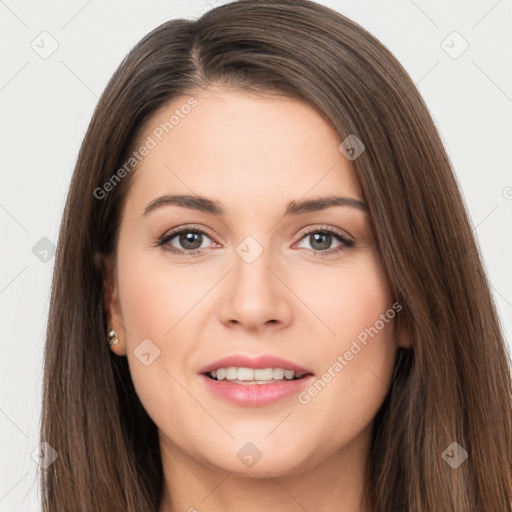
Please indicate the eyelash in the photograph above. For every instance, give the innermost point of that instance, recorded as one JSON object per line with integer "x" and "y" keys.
{"x": 162, "y": 241}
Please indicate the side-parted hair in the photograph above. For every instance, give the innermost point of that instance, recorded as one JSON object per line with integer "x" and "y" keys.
{"x": 455, "y": 383}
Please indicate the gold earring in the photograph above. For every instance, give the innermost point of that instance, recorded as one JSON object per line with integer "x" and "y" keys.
{"x": 112, "y": 338}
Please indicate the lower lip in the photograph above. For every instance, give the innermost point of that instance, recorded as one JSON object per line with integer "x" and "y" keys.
{"x": 255, "y": 395}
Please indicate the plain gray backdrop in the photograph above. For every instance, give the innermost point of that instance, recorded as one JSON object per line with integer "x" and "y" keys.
{"x": 56, "y": 58}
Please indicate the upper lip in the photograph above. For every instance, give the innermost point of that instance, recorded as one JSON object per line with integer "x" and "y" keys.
{"x": 262, "y": 361}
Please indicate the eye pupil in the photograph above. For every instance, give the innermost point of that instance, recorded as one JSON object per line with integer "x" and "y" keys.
{"x": 317, "y": 237}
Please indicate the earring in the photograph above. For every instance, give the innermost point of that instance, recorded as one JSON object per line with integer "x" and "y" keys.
{"x": 112, "y": 338}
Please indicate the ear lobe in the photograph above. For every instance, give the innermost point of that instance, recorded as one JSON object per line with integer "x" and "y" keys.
{"x": 111, "y": 304}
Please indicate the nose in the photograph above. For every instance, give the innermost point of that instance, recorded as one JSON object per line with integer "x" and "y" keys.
{"x": 255, "y": 295}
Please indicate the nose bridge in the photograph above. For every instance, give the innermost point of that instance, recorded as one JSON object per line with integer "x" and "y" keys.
{"x": 255, "y": 296}
{"x": 251, "y": 261}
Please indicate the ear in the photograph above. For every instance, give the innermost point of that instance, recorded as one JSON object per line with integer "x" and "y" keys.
{"x": 111, "y": 303}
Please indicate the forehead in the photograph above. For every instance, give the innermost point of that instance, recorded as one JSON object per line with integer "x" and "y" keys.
{"x": 247, "y": 150}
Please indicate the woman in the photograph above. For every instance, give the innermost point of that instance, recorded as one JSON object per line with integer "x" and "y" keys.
{"x": 267, "y": 293}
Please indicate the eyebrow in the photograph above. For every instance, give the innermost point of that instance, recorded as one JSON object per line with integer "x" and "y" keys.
{"x": 205, "y": 205}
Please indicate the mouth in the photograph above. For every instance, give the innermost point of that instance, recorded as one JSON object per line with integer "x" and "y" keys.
{"x": 255, "y": 392}
{"x": 254, "y": 381}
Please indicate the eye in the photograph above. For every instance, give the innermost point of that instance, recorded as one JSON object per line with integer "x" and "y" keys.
{"x": 189, "y": 239}
{"x": 321, "y": 238}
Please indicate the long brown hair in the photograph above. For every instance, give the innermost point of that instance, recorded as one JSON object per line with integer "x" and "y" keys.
{"x": 453, "y": 387}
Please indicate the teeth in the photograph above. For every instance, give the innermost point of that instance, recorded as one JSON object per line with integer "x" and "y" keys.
{"x": 231, "y": 373}
{"x": 249, "y": 374}
{"x": 244, "y": 374}
{"x": 288, "y": 374}
{"x": 278, "y": 373}
{"x": 265, "y": 374}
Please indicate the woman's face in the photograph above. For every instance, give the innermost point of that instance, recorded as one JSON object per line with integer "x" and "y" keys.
{"x": 277, "y": 274}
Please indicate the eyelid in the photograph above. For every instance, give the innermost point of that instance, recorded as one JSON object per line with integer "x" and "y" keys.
{"x": 189, "y": 227}
{"x": 312, "y": 228}
{"x": 304, "y": 231}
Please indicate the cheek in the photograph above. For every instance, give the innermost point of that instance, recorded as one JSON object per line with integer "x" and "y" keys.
{"x": 348, "y": 299}
{"x": 151, "y": 307}
{"x": 153, "y": 298}
{"x": 357, "y": 349}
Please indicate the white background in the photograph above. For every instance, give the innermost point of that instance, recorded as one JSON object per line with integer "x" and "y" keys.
{"x": 46, "y": 105}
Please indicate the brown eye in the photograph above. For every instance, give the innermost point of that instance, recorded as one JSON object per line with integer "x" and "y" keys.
{"x": 187, "y": 241}
{"x": 321, "y": 240}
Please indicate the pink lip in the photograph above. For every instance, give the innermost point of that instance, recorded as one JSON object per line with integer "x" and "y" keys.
{"x": 255, "y": 395}
{"x": 264, "y": 361}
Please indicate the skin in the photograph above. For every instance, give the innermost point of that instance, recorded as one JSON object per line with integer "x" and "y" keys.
{"x": 253, "y": 154}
